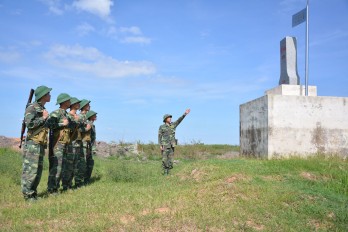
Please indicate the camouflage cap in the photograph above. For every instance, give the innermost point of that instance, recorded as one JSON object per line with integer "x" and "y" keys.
{"x": 63, "y": 97}
{"x": 41, "y": 91}
{"x": 74, "y": 100}
{"x": 166, "y": 116}
{"x": 83, "y": 103}
{"x": 90, "y": 114}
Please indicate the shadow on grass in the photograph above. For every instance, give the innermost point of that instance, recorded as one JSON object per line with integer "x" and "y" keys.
{"x": 94, "y": 179}
{"x": 46, "y": 194}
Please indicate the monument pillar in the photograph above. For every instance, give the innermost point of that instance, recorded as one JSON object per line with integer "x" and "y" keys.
{"x": 288, "y": 62}
{"x": 287, "y": 122}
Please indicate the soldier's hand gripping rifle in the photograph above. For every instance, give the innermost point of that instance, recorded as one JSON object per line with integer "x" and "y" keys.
{"x": 30, "y": 98}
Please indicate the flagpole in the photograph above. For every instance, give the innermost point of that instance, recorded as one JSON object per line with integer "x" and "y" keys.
{"x": 307, "y": 48}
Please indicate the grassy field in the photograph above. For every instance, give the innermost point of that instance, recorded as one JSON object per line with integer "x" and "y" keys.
{"x": 192, "y": 151}
{"x": 200, "y": 195}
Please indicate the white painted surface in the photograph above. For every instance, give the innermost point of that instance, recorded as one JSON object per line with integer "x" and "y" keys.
{"x": 287, "y": 125}
{"x": 294, "y": 90}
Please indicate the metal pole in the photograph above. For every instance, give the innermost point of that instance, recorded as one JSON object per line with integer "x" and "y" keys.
{"x": 307, "y": 47}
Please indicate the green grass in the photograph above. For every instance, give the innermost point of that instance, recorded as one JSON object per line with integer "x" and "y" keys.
{"x": 192, "y": 151}
{"x": 200, "y": 195}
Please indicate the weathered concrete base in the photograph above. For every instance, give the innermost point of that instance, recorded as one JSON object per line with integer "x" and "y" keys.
{"x": 296, "y": 90}
{"x": 284, "y": 125}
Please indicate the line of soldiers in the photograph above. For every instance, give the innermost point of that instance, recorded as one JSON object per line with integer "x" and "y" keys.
{"x": 71, "y": 143}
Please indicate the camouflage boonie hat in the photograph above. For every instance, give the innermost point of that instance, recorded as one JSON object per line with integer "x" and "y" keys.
{"x": 90, "y": 114}
{"x": 74, "y": 100}
{"x": 63, "y": 97}
{"x": 166, "y": 116}
{"x": 41, "y": 91}
{"x": 83, "y": 103}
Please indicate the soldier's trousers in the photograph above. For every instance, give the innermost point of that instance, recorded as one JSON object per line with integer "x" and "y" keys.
{"x": 32, "y": 168}
{"x": 68, "y": 167}
{"x": 80, "y": 168}
{"x": 167, "y": 158}
{"x": 76, "y": 150}
{"x": 89, "y": 163}
{"x": 55, "y": 173}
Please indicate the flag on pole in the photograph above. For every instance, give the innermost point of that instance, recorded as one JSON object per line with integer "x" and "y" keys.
{"x": 299, "y": 17}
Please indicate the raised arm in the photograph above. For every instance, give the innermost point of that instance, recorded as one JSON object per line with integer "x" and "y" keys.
{"x": 177, "y": 122}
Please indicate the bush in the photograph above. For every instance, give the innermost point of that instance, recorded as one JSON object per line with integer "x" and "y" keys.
{"x": 123, "y": 171}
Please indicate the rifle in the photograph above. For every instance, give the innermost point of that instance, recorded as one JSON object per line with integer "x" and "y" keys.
{"x": 50, "y": 150}
{"x": 23, "y": 123}
{"x": 50, "y": 124}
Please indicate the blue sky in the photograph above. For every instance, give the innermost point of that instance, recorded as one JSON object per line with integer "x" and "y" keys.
{"x": 137, "y": 60}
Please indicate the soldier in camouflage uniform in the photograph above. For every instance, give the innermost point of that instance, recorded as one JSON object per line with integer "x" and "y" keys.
{"x": 74, "y": 147}
{"x": 85, "y": 132}
{"x": 36, "y": 142}
{"x": 167, "y": 141}
{"x": 91, "y": 116}
{"x": 59, "y": 124}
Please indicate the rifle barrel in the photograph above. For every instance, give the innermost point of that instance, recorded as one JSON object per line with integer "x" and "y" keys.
{"x": 30, "y": 98}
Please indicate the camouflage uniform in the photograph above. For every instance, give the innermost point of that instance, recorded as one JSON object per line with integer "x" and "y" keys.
{"x": 89, "y": 154}
{"x": 34, "y": 149}
{"x": 61, "y": 139}
{"x": 81, "y": 162}
{"x": 166, "y": 138}
{"x": 73, "y": 153}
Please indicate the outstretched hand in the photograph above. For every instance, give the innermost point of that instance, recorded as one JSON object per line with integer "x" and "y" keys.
{"x": 187, "y": 111}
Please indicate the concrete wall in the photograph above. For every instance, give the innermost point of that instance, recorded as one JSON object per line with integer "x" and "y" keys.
{"x": 283, "y": 125}
{"x": 295, "y": 90}
{"x": 254, "y": 127}
{"x": 303, "y": 126}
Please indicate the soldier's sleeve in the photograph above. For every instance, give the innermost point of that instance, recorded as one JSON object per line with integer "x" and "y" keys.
{"x": 72, "y": 123}
{"x": 94, "y": 139}
{"x": 83, "y": 124}
{"x": 177, "y": 122}
{"x": 53, "y": 120}
{"x": 32, "y": 119}
{"x": 92, "y": 132}
{"x": 160, "y": 135}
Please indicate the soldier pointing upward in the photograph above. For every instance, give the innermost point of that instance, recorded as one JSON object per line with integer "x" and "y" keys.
{"x": 167, "y": 141}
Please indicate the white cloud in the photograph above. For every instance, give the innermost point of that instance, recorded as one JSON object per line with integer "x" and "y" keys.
{"x": 291, "y": 6}
{"x": 112, "y": 32}
{"x": 128, "y": 35}
{"x": 9, "y": 56}
{"x": 54, "y": 6}
{"x": 84, "y": 29}
{"x": 132, "y": 30}
{"x": 136, "y": 39}
{"x": 329, "y": 37}
{"x": 91, "y": 61}
{"x": 102, "y": 8}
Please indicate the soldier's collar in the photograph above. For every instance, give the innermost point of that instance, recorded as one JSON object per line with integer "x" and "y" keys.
{"x": 38, "y": 102}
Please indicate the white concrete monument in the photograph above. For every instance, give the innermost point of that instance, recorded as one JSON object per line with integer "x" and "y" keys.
{"x": 285, "y": 122}
{"x": 288, "y": 62}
